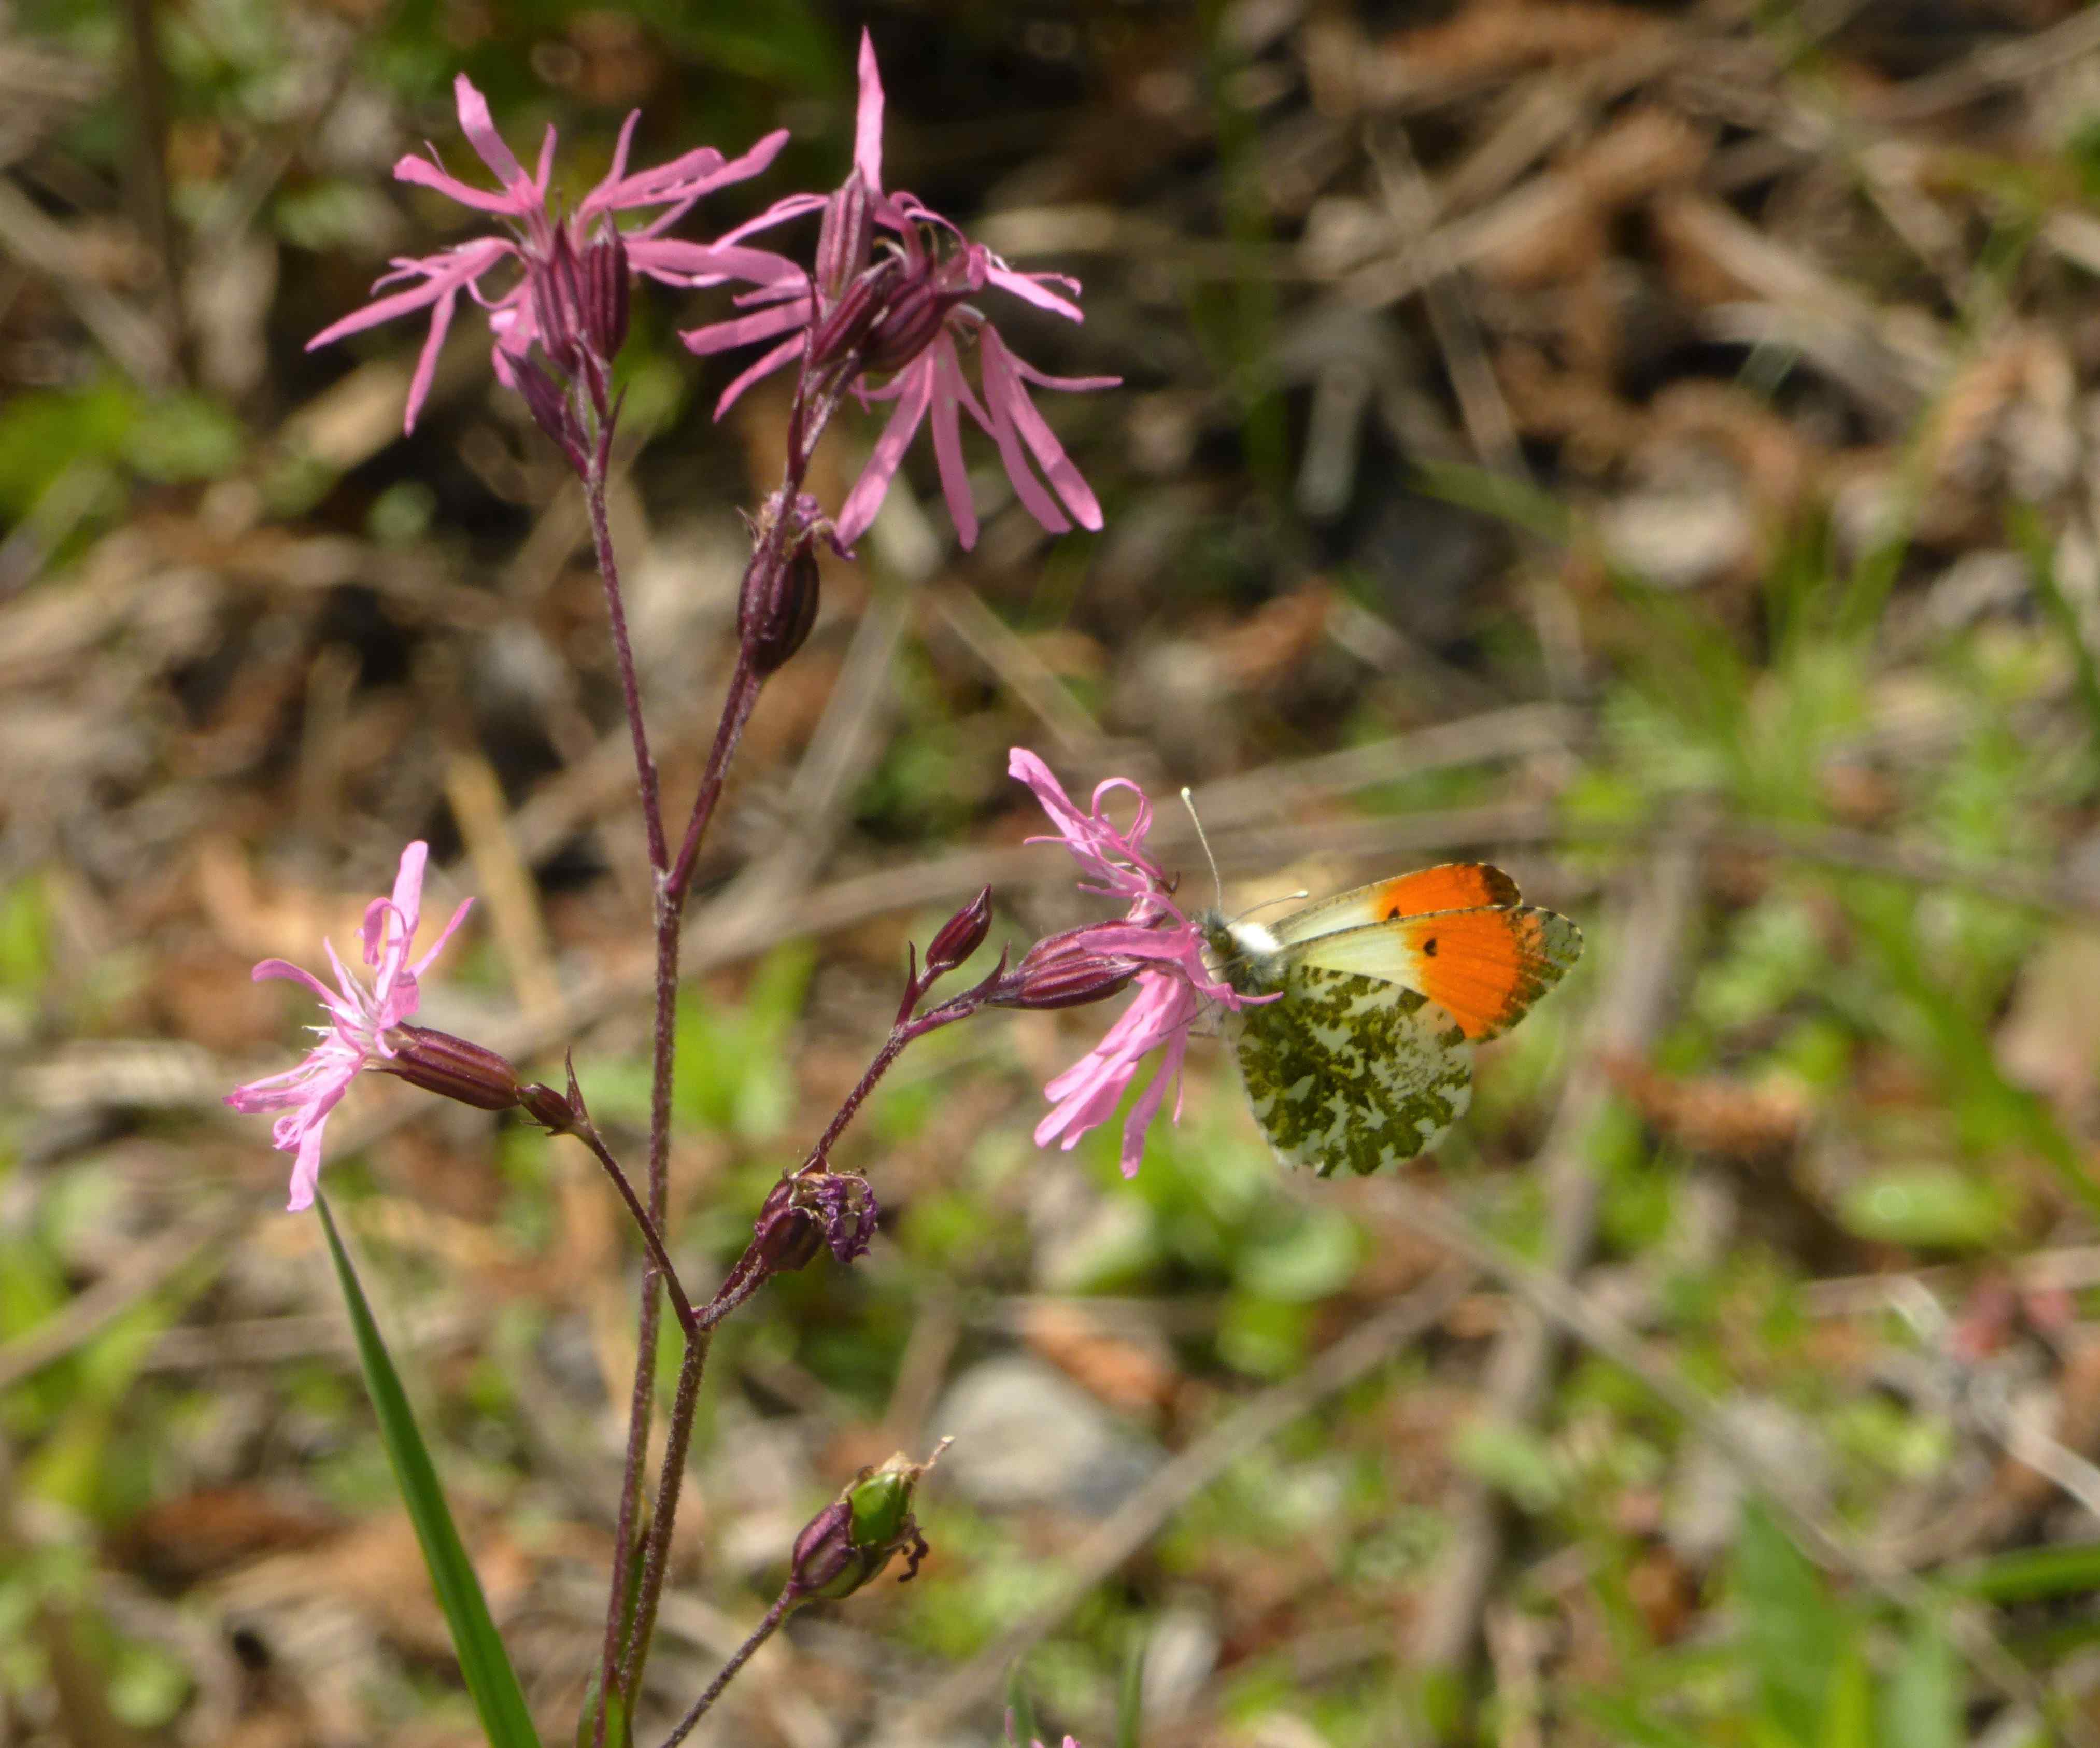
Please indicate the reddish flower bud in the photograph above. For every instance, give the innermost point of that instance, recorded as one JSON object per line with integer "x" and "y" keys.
{"x": 841, "y": 330}
{"x": 450, "y": 1067}
{"x": 787, "y": 1235}
{"x": 806, "y": 1209}
{"x": 845, "y": 237}
{"x": 914, "y": 316}
{"x": 550, "y": 1110}
{"x": 605, "y": 295}
{"x": 778, "y": 603}
{"x": 959, "y": 936}
{"x": 556, "y": 289}
{"x": 548, "y": 404}
{"x": 1065, "y": 971}
{"x": 855, "y": 1537}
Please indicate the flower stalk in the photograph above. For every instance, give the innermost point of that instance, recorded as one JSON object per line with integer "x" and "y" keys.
{"x": 887, "y": 312}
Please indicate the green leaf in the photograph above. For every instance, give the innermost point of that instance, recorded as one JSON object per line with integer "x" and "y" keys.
{"x": 483, "y": 1661}
{"x": 1020, "y": 1710}
{"x": 1512, "y": 1460}
{"x": 1848, "y": 1710}
{"x": 1130, "y": 1701}
{"x": 1792, "y": 1630}
{"x": 1926, "y": 1205}
{"x": 2034, "y": 1575}
{"x": 1923, "y": 1708}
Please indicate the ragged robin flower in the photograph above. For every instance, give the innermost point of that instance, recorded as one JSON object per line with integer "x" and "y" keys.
{"x": 542, "y": 242}
{"x": 364, "y": 1021}
{"x": 1156, "y": 944}
{"x": 900, "y": 304}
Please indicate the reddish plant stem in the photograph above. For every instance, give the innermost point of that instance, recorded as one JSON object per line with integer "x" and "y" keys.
{"x": 744, "y": 684}
{"x": 641, "y": 1401}
{"x": 682, "y": 1307}
{"x": 678, "y": 1438}
{"x": 748, "y": 1275}
{"x": 630, "y": 681}
{"x": 626, "y": 1654}
{"x": 760, "y": 1634}
{"x": 623, "y": 1652}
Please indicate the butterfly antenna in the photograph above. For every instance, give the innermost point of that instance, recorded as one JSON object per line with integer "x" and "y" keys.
{"x": 1217, "y": 879}
{"x": 1297, "y": 897}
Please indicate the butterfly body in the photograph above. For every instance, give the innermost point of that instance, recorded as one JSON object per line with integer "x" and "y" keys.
{"x": 1362, "y": 1056}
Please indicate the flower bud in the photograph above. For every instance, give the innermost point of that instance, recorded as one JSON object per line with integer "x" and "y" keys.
{"x": 808, "y": 1209}
{"x": 915, "y": 315}
{"x": 550, "y": 1109}
{"x": 778, "y": 603}
{"x": 959, "y": 936}
{"x": 1065, "y": 971}
{"x": 450, "y": 1067}
{"x": 787, "y": 1235}
{"x": 845, "y": 237}
{"x": 855, "y": 1537}
{"x": 603, "y": 285}
{"x": 547, "y": 401}
{"x": 557, "y": 293}
{"x": 843, "y": 326}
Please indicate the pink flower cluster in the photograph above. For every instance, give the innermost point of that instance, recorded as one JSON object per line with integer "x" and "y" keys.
{"x": 440, "y": 278}
{"x": 361, "y": 1013}
{"x": 914, "y": 292}
{"x": 1173, "y": 983}
{"x": 932, "y": 382}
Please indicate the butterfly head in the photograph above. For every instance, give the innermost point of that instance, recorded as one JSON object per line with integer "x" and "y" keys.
{"x": 1239, "y": 953}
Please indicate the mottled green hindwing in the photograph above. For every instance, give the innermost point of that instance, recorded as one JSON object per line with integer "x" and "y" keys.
{"x": 1351, "y": 1070}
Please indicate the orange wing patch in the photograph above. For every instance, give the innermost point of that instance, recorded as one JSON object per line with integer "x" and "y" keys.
{"x": 1485, "y": 968}
{"x": 1455, "y": 886}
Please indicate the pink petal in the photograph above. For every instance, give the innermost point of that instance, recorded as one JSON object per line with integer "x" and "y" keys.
{"x": 409, "y": 886}
{"x": 1004, "y": 389}
{"x": 546, "y": 166}
{"x": 743, "y": 330}
{"x": 426, "y": 360}
{"x": 1148, "y": 1103}
{"x": 772, "y": 361}
{"x": 913, "y": 399}
{"x": 618, "y": 168}
{"x": 1069, "y": 384}
{"x": 868, "y": 118}
{"x": 678, "y": 262}
{"x": 735, "y": 170}
{"x": 789, "y": 206}
{"x": 948, "y": 443}
{"x": 283, "y": 968}
{"x": 451, "y": 268}
{"x": 1025, "y": 766}
{"x": 512, "y": 202}
{"x": 1030, "y": 289}
{"x": 480, "y": 131}
{"x": 459, "y": 917}
{"x": 306, "y": 1172}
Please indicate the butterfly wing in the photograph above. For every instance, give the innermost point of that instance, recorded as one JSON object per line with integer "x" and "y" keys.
{"x": 1454, "y": 886}
{"x": 1485, "y": 968}
{"x": 1351, "y": 1070}
{"x": 1366, "y": 1058}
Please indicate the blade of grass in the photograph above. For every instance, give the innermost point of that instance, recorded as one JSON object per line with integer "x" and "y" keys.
{"x": 1020, "y": 1711}
{"x": 2032, "y": 1574}
{"x": 1130, "y": 1702}
{"x": 483, "y": 1660}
